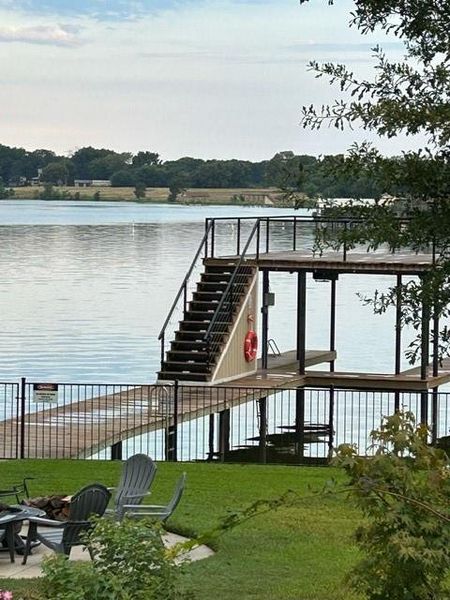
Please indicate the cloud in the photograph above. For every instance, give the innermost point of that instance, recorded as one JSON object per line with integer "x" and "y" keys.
{"x": 104, "y": 10}
{"x": 54, "y": 35}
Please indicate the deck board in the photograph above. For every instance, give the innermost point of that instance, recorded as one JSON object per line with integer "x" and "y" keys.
{"x": 356, "y": 262}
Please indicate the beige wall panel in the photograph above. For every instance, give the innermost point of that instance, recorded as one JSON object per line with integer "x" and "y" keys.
{"x": 232, "y": 363}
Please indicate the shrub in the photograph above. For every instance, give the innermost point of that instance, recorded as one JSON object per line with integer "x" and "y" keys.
{"x": 129, "y": 563}
{"x": 404, "y": 493}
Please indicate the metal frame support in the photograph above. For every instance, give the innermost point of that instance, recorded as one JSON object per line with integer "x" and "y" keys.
{"x": 265, "y": 319}
{"x": 301, "y": 321}
{"x": 333, "y": 321}
{"x": 171, "y": 432}
{"x": 262, "y": 405}
{"x": 116, "y": 451}
{"x": 434, "y": 397}
{"x": 331, "y": 423}
{"x": 424, "y": 359}
{"x": 22, "y": 409}
{"x": 398, "y": 337}
{"x": 224, "y": 433}
{"x": 211, "y": 433}
{"x": 300, "y": 423}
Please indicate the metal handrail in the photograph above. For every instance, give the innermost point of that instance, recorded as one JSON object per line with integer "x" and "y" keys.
{"x": 229, "y": 289}
{"x": 183, "y": 287}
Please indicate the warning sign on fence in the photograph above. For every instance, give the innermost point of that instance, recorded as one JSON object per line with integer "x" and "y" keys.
{"x": 45, "y": 392}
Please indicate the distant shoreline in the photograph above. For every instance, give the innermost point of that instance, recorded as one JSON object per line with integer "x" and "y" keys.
{"x": 270, "y": 197}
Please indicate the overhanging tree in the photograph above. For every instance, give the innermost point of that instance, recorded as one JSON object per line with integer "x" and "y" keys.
{"x": 409, "y": 96}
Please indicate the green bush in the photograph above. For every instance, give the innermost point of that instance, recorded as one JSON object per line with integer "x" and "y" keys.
{"x": 404, "y": 493}
{"x": 129, "y": 563}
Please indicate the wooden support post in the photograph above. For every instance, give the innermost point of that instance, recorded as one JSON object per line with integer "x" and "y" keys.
{"x": 116, "y": 451}
{"x": 300, "y": 423}
{"x": 262, "y": 404}
{"x": 301, "y": 321}
{"x": 224, "y": 433}
{"x": 265, "y": 319}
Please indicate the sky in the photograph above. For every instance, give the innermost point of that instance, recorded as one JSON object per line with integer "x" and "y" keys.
{"x": 205, "y": 78}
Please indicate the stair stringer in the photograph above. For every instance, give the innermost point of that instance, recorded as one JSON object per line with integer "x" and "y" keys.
{"x": 232, "y": 364}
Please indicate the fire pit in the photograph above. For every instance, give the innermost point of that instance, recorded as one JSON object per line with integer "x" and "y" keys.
{"x": 56, "y": 507}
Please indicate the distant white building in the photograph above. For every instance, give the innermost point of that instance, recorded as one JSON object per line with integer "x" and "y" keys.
{"x": 92, "y": 183}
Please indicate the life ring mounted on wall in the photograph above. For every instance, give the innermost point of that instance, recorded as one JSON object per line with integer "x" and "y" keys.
{"x": 250, "y": 342}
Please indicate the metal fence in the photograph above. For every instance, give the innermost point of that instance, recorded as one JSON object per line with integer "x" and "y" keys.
{"x": 198, "y": 423}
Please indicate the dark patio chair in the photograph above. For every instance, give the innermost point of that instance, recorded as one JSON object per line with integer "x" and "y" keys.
{"x": 138, "y": 473}
{"x": 158, "y": 511}
{"x": 19, "y": 490}
{"x": 90, "y": 500}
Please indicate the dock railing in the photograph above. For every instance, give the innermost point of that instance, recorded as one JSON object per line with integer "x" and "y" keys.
{"x": 206, "y": 423}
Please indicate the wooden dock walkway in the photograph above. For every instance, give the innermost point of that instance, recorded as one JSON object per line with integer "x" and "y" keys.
{"x": 85, "y": 427}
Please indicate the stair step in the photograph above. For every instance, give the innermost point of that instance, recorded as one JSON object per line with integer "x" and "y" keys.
{"x": 218, "y": 287}
{"x": 215, "y": 277}
{"x": 186, "y": 356}
{"x": 210, "y": 306}
{"x": 180, "y": 366}
{"x": 230, "y": 268}
{"x": 176, "y": 375}
{"x": 212, "y": 296}
{"x": 205, "y": 316}
{"x": 188, "y": 345}
{"x": 203, "y": 326}
{"x": 220, "y": 268}
{"x": 184, "y": 335}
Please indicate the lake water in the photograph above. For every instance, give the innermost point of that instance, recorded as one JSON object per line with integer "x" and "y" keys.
{"x": 85, "y": 288}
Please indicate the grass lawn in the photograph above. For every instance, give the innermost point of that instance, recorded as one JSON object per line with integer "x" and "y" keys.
{"x": 299, "y": 553}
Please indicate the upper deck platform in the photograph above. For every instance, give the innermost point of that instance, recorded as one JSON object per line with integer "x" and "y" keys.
{"x": 386, "y": 263}
{"x": 298, "y": 243}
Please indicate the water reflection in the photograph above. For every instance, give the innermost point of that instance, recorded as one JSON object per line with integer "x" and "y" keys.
{"x": 86, "y": 288}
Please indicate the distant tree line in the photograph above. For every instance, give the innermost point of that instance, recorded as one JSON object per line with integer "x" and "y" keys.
{"x": 309, "y": 175}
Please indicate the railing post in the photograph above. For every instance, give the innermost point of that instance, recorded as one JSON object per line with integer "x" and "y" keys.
{"x": 257, "y": 239}
{"x": 211, "y": 450}
{"x": 331, "y": 423}
{"x": 238, "y": 236}
{"x": 213, "y": 233}
{"x": 262, "y": 430}
{"x": 116, "y": 451}
{"x": 294, "y": 241}
{"x": 22, "y": 395}
{"x": 206, "y": 238}
{"x": 172, "y": 432}
{"x": 267, "y": 234}
{"x": 345, "y": 241}
{"x": 184, "y": 298}
{"x": 224, "y": 433}
{"x": 163, "y": 343}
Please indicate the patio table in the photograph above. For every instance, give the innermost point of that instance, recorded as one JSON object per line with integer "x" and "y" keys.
{"x": 10, "y": 521}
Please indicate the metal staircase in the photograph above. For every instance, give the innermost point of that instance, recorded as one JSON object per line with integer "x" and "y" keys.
{"x": 207, "y": 323}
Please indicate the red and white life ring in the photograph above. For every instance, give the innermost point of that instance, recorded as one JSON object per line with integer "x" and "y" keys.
{"x": 250, "y": 346}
